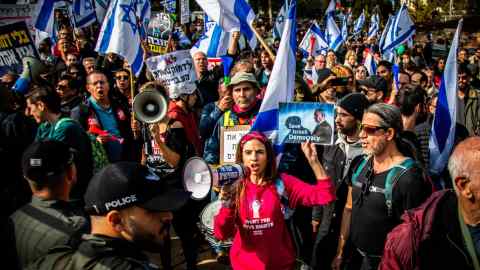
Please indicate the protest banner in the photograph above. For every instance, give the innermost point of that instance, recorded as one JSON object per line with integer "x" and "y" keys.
{"x": 184, "y": 11}
{"x": 158, "y": 31}
{"x": 15, "y": 43}
{"x": 306, "y": 121}
{"x": 229, "y": 139}
{"x": 175, "y": 69}
{"x": 15, "y": 13}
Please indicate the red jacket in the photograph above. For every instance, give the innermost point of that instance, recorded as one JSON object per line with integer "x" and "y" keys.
{"x": 261, "y": 239}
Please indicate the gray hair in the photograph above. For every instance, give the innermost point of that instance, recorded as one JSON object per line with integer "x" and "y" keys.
{"x": 390, "y": 116}
{"x": 464, "y": 158}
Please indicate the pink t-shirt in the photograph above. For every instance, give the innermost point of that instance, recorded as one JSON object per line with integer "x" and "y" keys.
{"x": 261, "y": 239}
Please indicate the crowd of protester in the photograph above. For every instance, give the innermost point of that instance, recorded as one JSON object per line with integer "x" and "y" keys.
{"x": 71, "y": 145}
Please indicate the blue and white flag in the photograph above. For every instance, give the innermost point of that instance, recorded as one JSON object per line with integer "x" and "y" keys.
{"x": 214, "y": 43}
{"x": 280, "y": 21}
{"x": 101, "y": 7}
{"x": 83, "y": 13}
{"x": 231, "y": 15}
{"x": 143, "y": 12}
{"x": 281, "y": 85}
{"x": 207, "y": 23}
{"x": 43, "y": 17}
{"x": 332, "y": 32}
{"x": 401, "y": 29}
{"x": 314, "y": 42}
{"x": 358, "y": 25}
{"x": 443, "y": 128}
{"x": 345, "y": 27}
{"x": 374, "y": 25}
{"x": 370, "y": 64}
{"x": 120, "y": 34}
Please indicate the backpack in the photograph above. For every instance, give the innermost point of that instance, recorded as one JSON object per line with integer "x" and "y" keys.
{"x": 99, "y": 155}
{"x": 403, "y": 242}
{"x": 393, "y": 176}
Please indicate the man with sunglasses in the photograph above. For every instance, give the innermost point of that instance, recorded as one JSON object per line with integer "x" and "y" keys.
{"x": 374, "y": 88}
{"x": 337, "y": 159}
{"x": 71, "y": 101}
{"x": 384, "y": 184}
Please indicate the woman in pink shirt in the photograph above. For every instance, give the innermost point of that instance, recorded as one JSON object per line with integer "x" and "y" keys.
{"x": 253, "y": 213}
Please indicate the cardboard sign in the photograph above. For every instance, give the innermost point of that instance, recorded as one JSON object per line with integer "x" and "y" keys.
{"x": 175, "y": 69}
{"x": 15, "y": 43}
{"x": 229, "y": 139}
{"x": 306, "y": 121}
{"x": 158, "y": 31}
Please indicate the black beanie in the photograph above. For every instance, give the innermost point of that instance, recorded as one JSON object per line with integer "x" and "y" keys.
{"x": 355, "y": 104}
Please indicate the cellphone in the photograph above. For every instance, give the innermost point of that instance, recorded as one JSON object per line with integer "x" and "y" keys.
{"x": 339, "y": 81}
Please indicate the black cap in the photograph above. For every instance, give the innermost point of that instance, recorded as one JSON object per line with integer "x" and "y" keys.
{"x": 44, "y": 159}
{"x": 355, "y": 104}
{"x": 124, "y": 184}
{"x": 376, "y": 82}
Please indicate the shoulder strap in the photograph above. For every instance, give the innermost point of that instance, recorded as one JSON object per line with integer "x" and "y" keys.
{"x": 393, "y": 176}
{"x": 61, "y": 121}
{"x": 359, "y": 170}
{"x": 467, "y": 237}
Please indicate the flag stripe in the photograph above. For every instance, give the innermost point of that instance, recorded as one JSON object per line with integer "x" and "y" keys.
{"x": 215, "y": 41}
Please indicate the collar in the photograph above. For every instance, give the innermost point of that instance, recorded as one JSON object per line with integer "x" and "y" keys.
{"x": 98, "y": 107}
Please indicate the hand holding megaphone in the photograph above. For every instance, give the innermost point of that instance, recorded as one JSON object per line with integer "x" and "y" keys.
{"x": 199, "y": 177}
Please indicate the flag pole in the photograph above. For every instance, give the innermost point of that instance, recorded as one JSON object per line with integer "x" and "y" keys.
{"x": 264, "y": 44}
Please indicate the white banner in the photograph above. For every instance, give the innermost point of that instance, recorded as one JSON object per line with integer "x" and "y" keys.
{"x": 184, "y": 11}
{"x": 175, "y": 70}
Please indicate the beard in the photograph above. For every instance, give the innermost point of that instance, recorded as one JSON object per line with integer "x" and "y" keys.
{"x": 148, "y": 241}
{"x": 376, "y": 149}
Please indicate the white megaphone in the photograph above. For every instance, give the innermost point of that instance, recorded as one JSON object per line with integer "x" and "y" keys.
{"x": 150, "y": 106}
{"x": 199, "y": 177}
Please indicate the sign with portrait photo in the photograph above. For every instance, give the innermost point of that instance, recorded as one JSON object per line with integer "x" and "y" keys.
{"x": 306, "y": 121}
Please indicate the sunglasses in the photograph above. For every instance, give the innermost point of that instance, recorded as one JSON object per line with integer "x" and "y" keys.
{"x": 370, "y": 130}
{"x": 122, "y": 78}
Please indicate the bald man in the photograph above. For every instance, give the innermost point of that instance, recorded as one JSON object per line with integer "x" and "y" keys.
{"x": 446, "y": 227}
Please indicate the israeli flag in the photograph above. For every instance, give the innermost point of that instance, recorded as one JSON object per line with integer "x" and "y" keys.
{"x": 374, "y": 25}
{"x": 345, "y": 27}
{"x": 232, "y": 16}
{"x": 332, "y": 32}
{"x": 120, "y": 34}
{"x": 83, "y": 13}
{"x": 444, "y": 121}
{"x": 280, "y": 88}
{"x": 358, "y": 25}
{"x": 208, "y": 23}
{"x": 214, "y": 43}
{"x": 143, "y": 13}
{"x": 401, "y": 29}
{"x": 370, "y": 63}
{"x": 101, "y": 7}
{"x": 43, "y": 19}
{"x": 314, "y": 42}
{"x": 280, "y": 21}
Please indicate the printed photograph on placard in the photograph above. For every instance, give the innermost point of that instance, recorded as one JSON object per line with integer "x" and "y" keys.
{"x": 306, "y": 121}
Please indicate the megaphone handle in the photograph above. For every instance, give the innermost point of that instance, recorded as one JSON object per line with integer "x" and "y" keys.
{"x": 147, "y": 140}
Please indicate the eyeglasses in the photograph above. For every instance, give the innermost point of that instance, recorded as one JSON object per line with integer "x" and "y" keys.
{"x": 122, "y": 78}
{"x": 370, "y": 130}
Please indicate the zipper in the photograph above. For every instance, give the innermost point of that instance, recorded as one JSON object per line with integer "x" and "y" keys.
{"x": 459, "y": 249}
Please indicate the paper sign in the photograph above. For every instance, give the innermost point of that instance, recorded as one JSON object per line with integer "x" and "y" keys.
{"x": 306, "y": 121}
{"x": 175, "y": 70}
{"x": 229, "y": 139}
{"x": 15, "y": 44}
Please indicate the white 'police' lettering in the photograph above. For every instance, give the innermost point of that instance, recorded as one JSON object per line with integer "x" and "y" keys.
{"x": 121, "y": 202}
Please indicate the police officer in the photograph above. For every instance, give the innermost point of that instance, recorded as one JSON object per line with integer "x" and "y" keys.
{"x": 49, "y": 219}
{"x": 130, "y": 211}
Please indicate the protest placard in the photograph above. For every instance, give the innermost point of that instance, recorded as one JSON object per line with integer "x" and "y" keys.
{"x": 15, "y": 44}
{"x": 306, "y": 121}
{"x": 158, "y": 32}
{"x": 175, "y": 69}
{"x": 14, "y": 13}
{"x": 229, "y": 139}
